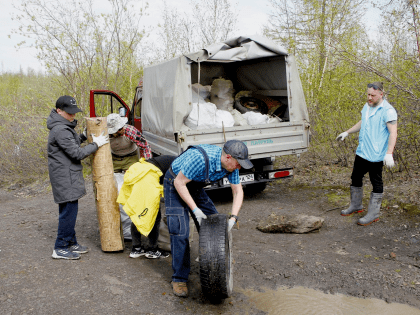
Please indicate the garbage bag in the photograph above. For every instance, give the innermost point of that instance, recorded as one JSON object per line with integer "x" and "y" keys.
{"x": 200, "y": 93}
{"x": 125, "y": 219}
{"x": 255, "y": 118}
{"x": 224, "y": 119}
{"x": 222, "y": 94}
{"x": 202, "y": 116}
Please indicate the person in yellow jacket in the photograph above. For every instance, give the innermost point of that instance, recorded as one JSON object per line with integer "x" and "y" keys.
{"x": 140, "y": 195}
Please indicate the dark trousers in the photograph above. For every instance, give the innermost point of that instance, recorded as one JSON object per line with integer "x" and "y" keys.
{"x": 361, "y": 167}
{"x": 66, "y": 235}
{"x": 177, "y": 213}
{"x": 153, "y": 235}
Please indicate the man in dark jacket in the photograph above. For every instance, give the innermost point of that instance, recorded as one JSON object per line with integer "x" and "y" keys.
{"x": 66, "y": 172}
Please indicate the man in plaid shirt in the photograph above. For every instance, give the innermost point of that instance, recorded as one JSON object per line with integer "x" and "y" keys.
{"x": 184, "y": 193}
{"x": 125, "y": 140}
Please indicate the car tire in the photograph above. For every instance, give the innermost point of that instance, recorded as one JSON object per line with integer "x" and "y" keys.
{"x": 254, "y": 189}
{"x": 215, "y": 252}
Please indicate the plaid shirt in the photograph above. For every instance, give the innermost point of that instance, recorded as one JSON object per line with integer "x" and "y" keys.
{"x": 135, "y": 135}
{"x": 193, "y": 166}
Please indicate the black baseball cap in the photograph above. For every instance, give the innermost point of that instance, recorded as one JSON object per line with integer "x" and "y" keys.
{"x": 238, "y": 150}
{"x": 68, "y": 104}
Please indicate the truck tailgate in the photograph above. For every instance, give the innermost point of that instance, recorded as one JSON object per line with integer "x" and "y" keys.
{"x": 262, "y": 140}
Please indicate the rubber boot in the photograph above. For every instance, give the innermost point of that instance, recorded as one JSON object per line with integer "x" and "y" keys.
{"x": 356, "y": 196}
{"x": 373, "y": 210}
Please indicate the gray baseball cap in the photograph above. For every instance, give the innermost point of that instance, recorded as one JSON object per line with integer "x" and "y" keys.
{"x": 238, "y": 150}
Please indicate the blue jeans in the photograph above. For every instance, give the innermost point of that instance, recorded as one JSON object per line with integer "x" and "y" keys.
{"x": 66, "y": 235}
{"x": 178, "y": 224}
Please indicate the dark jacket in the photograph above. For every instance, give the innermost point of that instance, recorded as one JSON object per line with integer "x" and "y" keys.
{"x": 64, "y": 159}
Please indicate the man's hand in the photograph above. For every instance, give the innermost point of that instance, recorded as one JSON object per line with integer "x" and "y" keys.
{"x": 199, "y": 215}
{"x": 389, "y": 161}
{"x": 100, "y": 140}
{"x": 231, "y": 223}
{"x": 342, "y": 136}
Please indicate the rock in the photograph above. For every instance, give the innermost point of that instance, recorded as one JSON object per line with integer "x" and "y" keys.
{"x": 298, "y": 223}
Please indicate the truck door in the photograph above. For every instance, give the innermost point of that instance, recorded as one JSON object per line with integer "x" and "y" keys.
{"x": 135, "y": 115}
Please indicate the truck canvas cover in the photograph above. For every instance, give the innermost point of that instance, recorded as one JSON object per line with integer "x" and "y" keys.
{"x": 167, "y": 98}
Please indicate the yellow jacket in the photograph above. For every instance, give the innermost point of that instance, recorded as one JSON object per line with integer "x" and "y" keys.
{"x": 140, "y": 195}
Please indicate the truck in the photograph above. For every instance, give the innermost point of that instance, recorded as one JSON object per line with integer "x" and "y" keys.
{"x": 265, "y": 71}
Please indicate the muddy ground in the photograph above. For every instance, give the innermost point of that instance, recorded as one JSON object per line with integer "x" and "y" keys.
{"x": 378, "y": 261}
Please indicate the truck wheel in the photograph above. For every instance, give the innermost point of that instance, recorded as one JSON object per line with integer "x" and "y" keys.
{"x": 215, "y": 251}
{"x": 253, "y": 189}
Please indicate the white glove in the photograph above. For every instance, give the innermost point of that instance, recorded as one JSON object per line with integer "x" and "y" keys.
{"x": 389, "y": 160}
{"x": 100, "y": 140}
{"x": 199, "y": 215}
{"x": 342, "y": 136}
{"x": 231, "y": 223}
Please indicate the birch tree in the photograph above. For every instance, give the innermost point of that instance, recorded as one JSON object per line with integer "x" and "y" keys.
{"x": 86, "y": 48}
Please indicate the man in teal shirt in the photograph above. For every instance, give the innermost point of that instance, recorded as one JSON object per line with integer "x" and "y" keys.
{"x": 377, "y": 138}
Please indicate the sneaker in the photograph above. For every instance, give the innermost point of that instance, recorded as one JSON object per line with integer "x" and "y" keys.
{"x": 64, "y": 254}
{"x": 80, "y": 249}
{"x": 180, "y": 289}
{"x": 137, "y": 252}
{"x": 153, "y": 254}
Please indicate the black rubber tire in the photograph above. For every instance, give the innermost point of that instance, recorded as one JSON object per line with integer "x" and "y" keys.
{"x": 215, "y": 252}
{"x": 254, "y": 189}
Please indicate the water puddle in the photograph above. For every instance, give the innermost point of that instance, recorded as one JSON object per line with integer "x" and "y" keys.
{"x": 307, "y": 301}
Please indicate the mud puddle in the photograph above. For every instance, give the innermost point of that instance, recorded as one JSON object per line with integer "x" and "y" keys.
{"x": 307, "y": 301}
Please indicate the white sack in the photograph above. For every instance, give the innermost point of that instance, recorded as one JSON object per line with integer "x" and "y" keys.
{"x": 239, "y": 119}
{"x": 255, "y": 118}
{"x": 224, "y": 117}
{"x": 222, "y": 94}
{"x": 202, "y": 116}
{"x": 200, "y": 93}
{"x": 125, "y": 219}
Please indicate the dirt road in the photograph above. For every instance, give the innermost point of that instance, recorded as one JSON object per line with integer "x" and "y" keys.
{"x": 378, "y": 261}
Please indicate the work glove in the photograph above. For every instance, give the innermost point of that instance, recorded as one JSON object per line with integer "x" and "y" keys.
{"x": 199, "y": 215}
{"x": 389, "y": 160}
{"x": 342, "y": 136}
{"x": 231, "y": 223}
{"x": 100, "y": 140}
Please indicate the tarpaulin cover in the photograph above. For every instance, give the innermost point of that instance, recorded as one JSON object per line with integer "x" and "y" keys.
{"x": 252, "y": 63}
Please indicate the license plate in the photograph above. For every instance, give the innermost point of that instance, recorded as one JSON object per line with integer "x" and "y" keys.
{"x": 243, "y": 179}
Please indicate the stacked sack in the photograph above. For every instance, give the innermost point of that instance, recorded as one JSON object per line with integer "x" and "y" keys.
{"x": 213, "y": 107}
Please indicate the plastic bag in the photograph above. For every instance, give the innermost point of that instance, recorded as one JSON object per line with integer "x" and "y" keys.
{"x": 222, "y": 94}
{"x": 202, "y": 116}
{"x": 254, "y": 118}
{"x": 125, "y": 219}
{"x": 200, "y": 93}
{"x": 224, "y": 119}
{"x": 239, "y": 119}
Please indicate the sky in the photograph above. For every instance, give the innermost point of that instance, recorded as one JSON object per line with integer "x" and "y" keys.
{"x": 253, "y": 15}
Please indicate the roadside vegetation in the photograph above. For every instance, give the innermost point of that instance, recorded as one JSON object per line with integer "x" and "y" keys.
{"x": 337, "y": 52}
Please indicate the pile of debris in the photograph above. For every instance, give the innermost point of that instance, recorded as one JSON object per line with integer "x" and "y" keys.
{"x": 217, "y": 106}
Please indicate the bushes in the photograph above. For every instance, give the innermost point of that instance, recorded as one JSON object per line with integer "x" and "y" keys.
{"x": 25, "y": 103}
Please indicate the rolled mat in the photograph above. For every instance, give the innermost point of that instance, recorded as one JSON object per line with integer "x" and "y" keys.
{"x": 106, "y": 192}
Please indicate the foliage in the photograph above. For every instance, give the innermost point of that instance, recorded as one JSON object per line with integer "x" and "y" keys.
{"x": 338, "y": 58}
{"x": 211, "y": 21}
{"x": 25, "y": 103}
{"x": 83, "y": 47}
